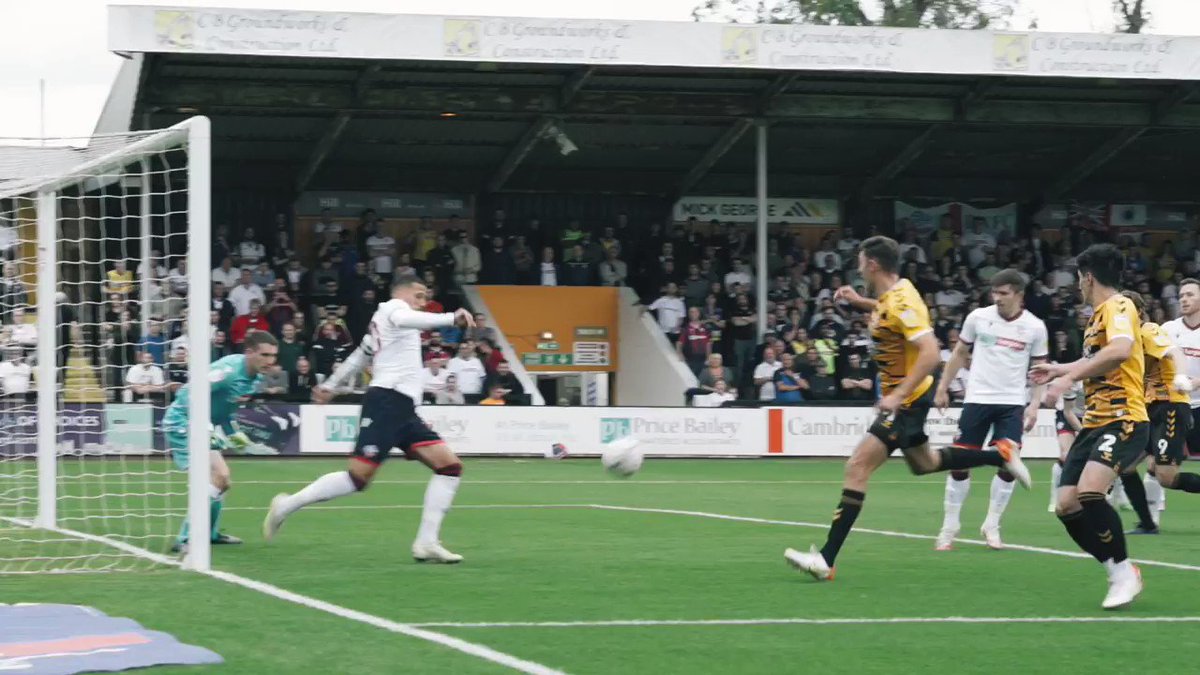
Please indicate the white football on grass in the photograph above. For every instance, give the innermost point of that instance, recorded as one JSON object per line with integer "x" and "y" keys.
{"x": 622, "y": 457}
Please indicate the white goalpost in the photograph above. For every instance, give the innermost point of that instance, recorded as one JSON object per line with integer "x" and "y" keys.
{"x": 95, "y": 340}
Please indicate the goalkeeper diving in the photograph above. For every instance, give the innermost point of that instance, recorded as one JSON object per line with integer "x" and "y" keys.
{"x": 232, "y": 380}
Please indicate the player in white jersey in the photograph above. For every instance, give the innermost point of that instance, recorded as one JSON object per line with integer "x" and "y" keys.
{"x": 1067, "y": 422}
{"x": 1001, "y": 341}
{"x": 389, "y": 419}
{"x": 1185, "y": 334}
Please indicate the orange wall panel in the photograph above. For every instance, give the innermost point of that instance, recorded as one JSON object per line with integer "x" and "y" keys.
{"x": 523, "y": 313}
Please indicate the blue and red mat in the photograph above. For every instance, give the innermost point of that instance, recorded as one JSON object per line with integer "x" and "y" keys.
{"x": 66, "y": 639}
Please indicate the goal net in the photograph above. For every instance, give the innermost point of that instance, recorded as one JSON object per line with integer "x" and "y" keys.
{"x": 104, "y": 314}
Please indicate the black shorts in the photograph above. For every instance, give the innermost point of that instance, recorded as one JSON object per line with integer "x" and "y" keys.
{"x": 1193, "y": 436}
{"x": 1061, "y": 425}
{"x": 389, "y": 420}
{"x": 977, "y": 419}
{"x": 1119, "y": 445}
{"x": 1169, "y": 427}
{"x": 906, "y": 427}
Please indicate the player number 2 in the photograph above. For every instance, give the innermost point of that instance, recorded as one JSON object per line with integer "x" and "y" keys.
{"x": 1107, "y": 441}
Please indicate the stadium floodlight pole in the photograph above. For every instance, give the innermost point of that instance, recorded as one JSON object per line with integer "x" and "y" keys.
{"x": 147, "y": 270}
{"x": 47, "y": 376}
{"x": 760, "y": 235}
{"x": 199, "y": 237}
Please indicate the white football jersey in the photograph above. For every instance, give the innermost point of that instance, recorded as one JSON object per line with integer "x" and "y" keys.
{"x": 394, "y": 346}
{"x": 1001, "y": 353}
{"x": 1188, "y": 341}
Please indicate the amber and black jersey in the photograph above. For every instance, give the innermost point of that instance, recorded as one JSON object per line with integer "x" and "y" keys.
{"x": 1160, "y": 372}
{"x": 1118, "y": 395}
{"x": 900, "y": 316}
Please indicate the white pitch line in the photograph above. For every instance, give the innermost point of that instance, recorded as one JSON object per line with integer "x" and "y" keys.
{"x": 457, "y": 644}
{"x": 615, "y": 482}
{"x": 360, "y": 507}
{"x": 638, "y": 623}
{"x": 886, "y": 533}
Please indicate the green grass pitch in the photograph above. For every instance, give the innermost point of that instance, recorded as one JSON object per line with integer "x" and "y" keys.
{"x": 581, "y": 565}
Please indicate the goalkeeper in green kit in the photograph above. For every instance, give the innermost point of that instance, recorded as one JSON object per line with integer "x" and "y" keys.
{"x": 233, "y": 379}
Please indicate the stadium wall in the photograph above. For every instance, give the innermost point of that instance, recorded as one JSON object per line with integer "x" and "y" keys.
{"x": 650, "y": 372}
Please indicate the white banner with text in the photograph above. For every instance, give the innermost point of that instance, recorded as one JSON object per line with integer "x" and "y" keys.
{"x": 301, "y": 33}
{"x": 676, "y": 432}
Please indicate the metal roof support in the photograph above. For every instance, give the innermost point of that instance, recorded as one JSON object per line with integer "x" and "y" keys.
{"x": 899, "y": 163}
{"x": 570, "y": 88}
{"x": 1113, "y": 146}
{"x": 714, "y": 154}
{"x": 334, "y": 130}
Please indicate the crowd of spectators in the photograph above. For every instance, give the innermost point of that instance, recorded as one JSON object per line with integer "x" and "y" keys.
{"x": 698, "y": 279}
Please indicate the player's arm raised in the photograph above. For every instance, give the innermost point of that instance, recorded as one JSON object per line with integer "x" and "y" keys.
{"x": 850, "y": 296}
{"x": 1182, "y": 382}
{"x": 354, "y": 364}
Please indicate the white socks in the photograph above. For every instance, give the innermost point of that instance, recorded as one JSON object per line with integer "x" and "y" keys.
{"x": 1055, "y": 477}
{"x": 1001, "y": 493}
{"x": 956, "y": 494}
{"x": 1154, "y": 492}
{"x": 329, "y": 486}
{"x": 438, "y": 498}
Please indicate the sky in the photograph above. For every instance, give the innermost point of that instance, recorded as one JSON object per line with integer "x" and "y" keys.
{"x": 62, "y": 42}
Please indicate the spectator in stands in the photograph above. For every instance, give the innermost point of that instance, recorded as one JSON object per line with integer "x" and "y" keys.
{"x": 145, "y": 380}
{"x": 695, "y": 341}
{"x": 451, "y": 394}
{"x": 436, "y": 349}
{"x": 739, "y": 275}
{"x": 548, "y": 270}
{"x": 245, "y": 292}
{"x": 13, "y": 293}
{"x": 787, "y": 384}
{"x": 155, "y": 342}
{"x": 221, "y": 248}
{"x": 435, "y": 378}
{"x": 282, "y": 252}
{"x": 246, "y": 323}
{"x": 176, "y": 371}
{"x": 522, "y": 257}
{"x": 576, "y": 271}
{"x": 280, "y": 309}
{"x": 764, "y": 375}
{"x": 495, "y": 396}
{"x": 227, "y": 274}
{"x": 504, "y": 380}
{"x": 695, "y": 286}
{"x": 744, "y": 322}
{"x": 275, "y": 381}
{"x": 978, "y": 241}
{"x": 670, "y": 311}
{"x": 155, "y": 267}
{"x": 719, "y": 396}
{"x": 613, "y": 270}
{"x": 498, "y": 267}
{"x": 220, "y": 346}
{"x": 714, "y": 370}
{"x": 263, "y": 276}
{"x": 24, "y": 329}
{"x": 222, "y": 306}
{"x": 486, "y": 350}
{"x": 177, "y": 279}
{"x": 290, "y": 350}
{"x": 467, "y": 369}
{"x": 821, "y": 386}
{"x": 481, "y": 330}
{"x": 250, "y": 251}
{"x": 16, "y": 375}
{"x": 949, "y": 297}
{"x": 120, "y": 280}
{"x": 328, "y": 348}
{"x": 467, "y": 261}
{"x": 858, "y": 379}
{"x": 302, "y": 380}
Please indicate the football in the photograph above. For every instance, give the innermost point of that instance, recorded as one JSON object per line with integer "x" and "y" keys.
{"x": 622, "y": 457}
